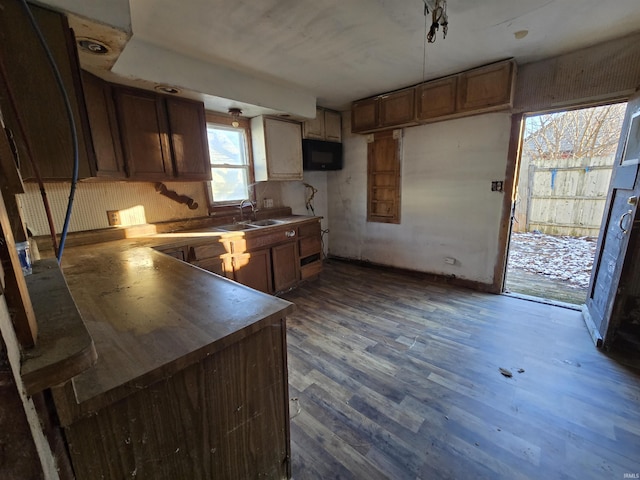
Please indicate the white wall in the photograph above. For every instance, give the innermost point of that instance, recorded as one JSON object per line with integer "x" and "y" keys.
{"x": 295, "y": 194}
{"x": 447, "y": 206}
{"x": 448, "y": 209}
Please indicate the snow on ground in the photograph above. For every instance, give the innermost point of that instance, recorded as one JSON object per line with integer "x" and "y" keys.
{"x": 560, "y": 258}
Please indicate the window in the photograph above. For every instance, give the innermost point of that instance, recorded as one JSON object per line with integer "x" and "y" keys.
{"x": 383, "y": 171}
{"x": 231, "y": 172}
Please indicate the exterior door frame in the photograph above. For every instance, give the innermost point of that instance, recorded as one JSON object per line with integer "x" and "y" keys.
{"x": 605, "y": 277}
{"x": 511, "y": 177}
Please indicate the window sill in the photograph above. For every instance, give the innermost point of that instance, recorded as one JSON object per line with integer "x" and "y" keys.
{"x": 225, "y": 209}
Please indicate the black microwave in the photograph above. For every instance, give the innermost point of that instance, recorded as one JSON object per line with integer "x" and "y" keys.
{"x": 321, "y": 155}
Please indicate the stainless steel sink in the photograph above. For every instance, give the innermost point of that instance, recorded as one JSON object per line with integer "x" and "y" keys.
{"x": 236, "y": 227}
{"x": 266, "y": 223}
{"x": 239, "y": 227}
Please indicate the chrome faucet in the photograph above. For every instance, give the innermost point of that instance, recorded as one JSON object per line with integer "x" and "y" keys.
{"x": 253, "y": 209}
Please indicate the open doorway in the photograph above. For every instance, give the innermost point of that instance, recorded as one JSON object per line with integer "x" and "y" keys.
{"x": 561, "y": 192}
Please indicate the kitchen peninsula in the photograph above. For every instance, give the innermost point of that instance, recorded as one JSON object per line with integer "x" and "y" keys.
{"x": 191, "y": 376}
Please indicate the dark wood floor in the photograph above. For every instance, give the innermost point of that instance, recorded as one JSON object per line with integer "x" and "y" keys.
{"x": 393, "y": 377}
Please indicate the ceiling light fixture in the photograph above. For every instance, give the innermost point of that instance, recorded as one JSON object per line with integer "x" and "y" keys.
{"x": 167, "y": 89}
{"x": 438, "y": 18}
{"x": 93, "y": 46}
{"x": 235, "y": 113}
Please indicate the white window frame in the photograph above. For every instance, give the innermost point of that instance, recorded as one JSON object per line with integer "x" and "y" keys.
{"x": 224, "y": 122}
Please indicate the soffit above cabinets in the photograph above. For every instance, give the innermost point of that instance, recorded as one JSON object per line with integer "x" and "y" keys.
{"x": 283, "y": 55}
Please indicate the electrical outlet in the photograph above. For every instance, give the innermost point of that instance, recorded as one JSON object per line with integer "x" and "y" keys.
{"x": 114, "y": 218}
{"x": 497, "y": 186}
{"x": 268, "y": 202}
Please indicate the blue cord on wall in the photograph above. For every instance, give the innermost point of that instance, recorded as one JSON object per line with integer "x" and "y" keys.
{"x": 72, "y": 126}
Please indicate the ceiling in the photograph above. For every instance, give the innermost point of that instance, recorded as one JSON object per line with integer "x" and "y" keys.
{"x": 284, "y": 55}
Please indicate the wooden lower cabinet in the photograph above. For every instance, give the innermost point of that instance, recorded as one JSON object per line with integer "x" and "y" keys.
{"x": 286, "y": 272}
{"x": 226, "y": 416}
{"x": 310, "y": 249}
{"x": 269, "y": 270}
{"x": 280, "y": 259}
{"x": 270, "y": 262}
{"x": 209, "y": 257}
{"x": 175, "y": 253}
{"x": 253, "y": 269}
{"x": 213, "y": 265}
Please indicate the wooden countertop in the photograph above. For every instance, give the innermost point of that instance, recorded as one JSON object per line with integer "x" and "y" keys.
{"x": 64, "y": 347}
{"x": 151, "y": 315}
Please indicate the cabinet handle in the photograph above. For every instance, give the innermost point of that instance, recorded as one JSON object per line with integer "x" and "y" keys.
{"x": 290, "y": 233}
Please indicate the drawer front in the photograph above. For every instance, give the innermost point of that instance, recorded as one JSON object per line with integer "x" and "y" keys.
{"x": 309, "y": 246}
{"x": 310, "y": 229}
{"x": 251, "y": 243}
{"x": 201, "y": 252}
{"x": 211, "y": 264}
{"x": 310, "y": 270}
{"x": 175, "y": 253}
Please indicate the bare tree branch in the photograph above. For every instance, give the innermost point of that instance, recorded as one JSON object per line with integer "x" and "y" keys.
{"x": 577, "y": 134}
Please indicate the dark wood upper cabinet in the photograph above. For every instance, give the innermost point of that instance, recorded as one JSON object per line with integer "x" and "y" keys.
{"x": 37, "y": 97}
{"x": 364, "y": 115}
{"x": 384, "y": 111}
{"x": 436, "y": 99}
{"x": 162, "y": 138}
{"x": 486, "y": 88}
{"x": 144, "y": 134}
{"x": 397, "y": 109}
{"x": 122, "y": 132}
{"x": 104, "y": 127}
{"x": 190, "y": 148}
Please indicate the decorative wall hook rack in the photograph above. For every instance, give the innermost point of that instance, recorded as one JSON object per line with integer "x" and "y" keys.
{"x": 162, "y": 189}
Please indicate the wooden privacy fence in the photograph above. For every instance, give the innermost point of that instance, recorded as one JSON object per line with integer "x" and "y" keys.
{"x": 561, "y": 200}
